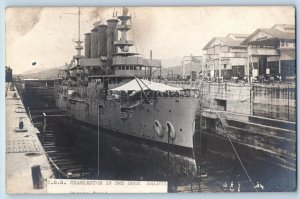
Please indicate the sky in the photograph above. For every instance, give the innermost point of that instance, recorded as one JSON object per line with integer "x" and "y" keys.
{"x": 46, "y": 35}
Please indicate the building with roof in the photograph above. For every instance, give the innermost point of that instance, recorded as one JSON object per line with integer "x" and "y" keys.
{"x": 225, "y": 57}
{"x": 271, "y": 52}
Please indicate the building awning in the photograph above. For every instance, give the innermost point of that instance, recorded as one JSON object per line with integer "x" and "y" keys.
{"x": 139, "y": 84}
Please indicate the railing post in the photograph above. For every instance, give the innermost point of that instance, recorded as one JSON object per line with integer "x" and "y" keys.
{"x": 37, "y": 178}
{"x": 44, "y": 127}
{"x": 45, "y": 123}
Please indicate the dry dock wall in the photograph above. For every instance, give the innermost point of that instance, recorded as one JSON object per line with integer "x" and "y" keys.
{"x": 261, "y": 121}
{"x": 277, "y": 101}
{"x": 23, "y": 148}
{"x": 227, "y": 97}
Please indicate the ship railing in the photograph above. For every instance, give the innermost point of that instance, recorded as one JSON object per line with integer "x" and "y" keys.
{"x": 151, "y": 96}
{"x": 171, "y": 94}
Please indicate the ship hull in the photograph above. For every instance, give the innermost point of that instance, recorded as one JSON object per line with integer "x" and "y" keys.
{"x": 130, "y": 157}
{"x": 77, "y": 124}
{"x": 138, "y": 122}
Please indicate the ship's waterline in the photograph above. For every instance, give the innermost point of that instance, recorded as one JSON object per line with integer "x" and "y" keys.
{"x": 125, "y": 157}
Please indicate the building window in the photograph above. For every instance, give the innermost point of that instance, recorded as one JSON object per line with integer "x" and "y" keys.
{"x": 127, "y": 67}
{"x": 225, "y": 66}
{"x": 221, "y": 104}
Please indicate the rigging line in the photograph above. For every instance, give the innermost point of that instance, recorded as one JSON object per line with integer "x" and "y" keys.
{"x": 142, "y": 90}
{"x": 153, "y": 74}
{"x": 235, "y": 149}
{"x": 139, "y": 79}
{"x": 144, "y": 83}
{"x": 236, "y": 153}
{"x": 167, "y": 69}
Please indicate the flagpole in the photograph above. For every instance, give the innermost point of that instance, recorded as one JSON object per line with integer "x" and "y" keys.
{"x": 182, "y": 73}
{"x": 191, "y": 69}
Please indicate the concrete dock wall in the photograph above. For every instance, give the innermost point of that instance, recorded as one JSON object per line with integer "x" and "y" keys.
{"x": 275, "y": 138}
{"x": 24, "y": 150}
{"x": 227, "y": 97}
{"x": 276, "y": 101}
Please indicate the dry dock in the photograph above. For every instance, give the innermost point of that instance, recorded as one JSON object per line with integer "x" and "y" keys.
{"x": 23, "y": 148}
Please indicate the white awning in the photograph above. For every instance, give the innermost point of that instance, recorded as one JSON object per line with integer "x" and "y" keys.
{"x": 138, "y": 85}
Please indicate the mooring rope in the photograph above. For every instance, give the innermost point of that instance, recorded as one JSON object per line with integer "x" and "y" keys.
{"x": 237, "y": 155}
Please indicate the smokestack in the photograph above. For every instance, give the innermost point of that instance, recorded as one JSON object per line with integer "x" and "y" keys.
{"x": 150, "y": 54}
{"x": 87, "y": 45}
{"x": 94, "y": 43}
{"x": 102, "y": 40}
{"x": 112, "y": 35}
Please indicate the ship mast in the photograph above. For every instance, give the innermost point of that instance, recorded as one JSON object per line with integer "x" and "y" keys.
{"x": 78, "y": 47}
{"x": 123, "y": 43}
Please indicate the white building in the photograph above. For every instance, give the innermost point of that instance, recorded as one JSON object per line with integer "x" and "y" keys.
{"x": 271, "y": 52}
{"x": 225, "y": 56}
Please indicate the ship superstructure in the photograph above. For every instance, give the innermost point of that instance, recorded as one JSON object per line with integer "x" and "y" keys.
{"x": 112, "y": 88}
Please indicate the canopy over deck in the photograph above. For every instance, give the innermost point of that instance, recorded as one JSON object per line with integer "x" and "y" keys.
{"x": 138, "y": 85}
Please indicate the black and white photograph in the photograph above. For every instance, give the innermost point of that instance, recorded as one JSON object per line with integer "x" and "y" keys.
{"x": 150, "y": 99}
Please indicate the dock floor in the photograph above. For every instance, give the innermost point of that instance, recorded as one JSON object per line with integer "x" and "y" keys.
{"x": 23, "y": 148}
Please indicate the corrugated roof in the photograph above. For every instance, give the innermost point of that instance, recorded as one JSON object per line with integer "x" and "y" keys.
{"x": 274, "y": 32}
{"x": 227, "y": 41}
{"x": 239, "y": 35}
{"x": 279, "y": 34}
{"x": 285, "y": 26}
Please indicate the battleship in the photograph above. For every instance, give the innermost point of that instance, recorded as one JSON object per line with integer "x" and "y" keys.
{"x": 225, "y": 121}
{"x": 112, "y": 88}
